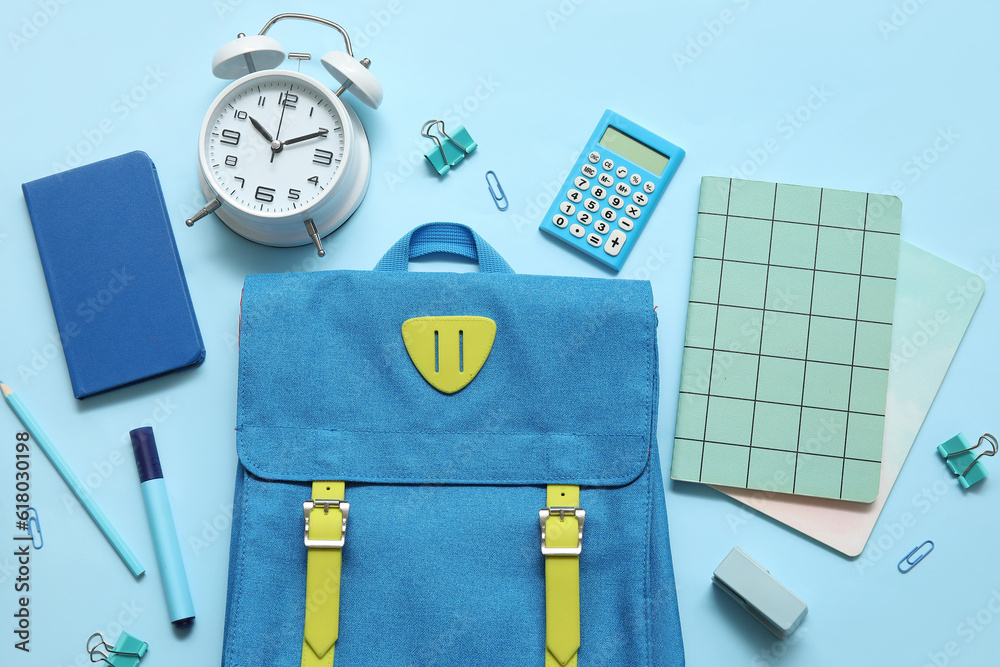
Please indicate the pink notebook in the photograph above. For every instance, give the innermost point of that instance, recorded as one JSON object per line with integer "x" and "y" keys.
{"x": 925, "y": 288}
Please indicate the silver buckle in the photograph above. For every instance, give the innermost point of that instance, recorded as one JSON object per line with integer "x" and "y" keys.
{"x": 344, "y": 508}
{"x": 580, "y": 515}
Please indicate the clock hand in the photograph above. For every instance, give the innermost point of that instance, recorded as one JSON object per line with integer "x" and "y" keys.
{"x": 260, "y": 128}
{"x": 276, "y": 145}
{"x": 321, "y": 133}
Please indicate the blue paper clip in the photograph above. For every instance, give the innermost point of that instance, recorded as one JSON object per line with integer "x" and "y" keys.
{"x": 909, "y": 559}
{"x": 37, "y": 530}
{"x": 497, "y": 198}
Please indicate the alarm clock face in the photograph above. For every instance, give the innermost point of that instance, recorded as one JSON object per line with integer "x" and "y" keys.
{"x": 274, "y": 144}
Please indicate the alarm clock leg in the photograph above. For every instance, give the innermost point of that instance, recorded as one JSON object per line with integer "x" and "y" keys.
{"x": 208, "y": 208}
{"x": 314, "y": 235}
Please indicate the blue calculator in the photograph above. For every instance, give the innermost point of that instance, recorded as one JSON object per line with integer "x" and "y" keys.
{"x": 612, "y": 189}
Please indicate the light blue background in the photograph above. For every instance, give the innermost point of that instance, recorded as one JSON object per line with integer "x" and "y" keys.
{"x": 529, "y": 80}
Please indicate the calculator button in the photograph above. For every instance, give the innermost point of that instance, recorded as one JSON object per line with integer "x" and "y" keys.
{"x": 574, "y": 196}
{"x": 567, "y": 208}
{"x": 588, "y": 170}
{"x": 623, "y": 190}
{"x": 609, "y": 214}
{"x": 615, "y": 243}
{"x": 605, "y": 180}
{"x": 639, "y": 199}
{"x": 608, "y": 164}
{"x": 614, "y": 200}
{"x": 601, "y": 227}
{"x": 577, "y": 231}
{"x": 599, "y": 192}
{"x": 560, "y": 221}
{"x": 595, "y": 240}
{"x": 635, "y": 179}
{"x": 632, "y": 211}
{"x": 591, "y": 205}
{"x": 584, "y": 218}
{"x": 626, "y": 223}
{"x": 594, "y": 157}
{"x": 582, "y": 183}
{"x": 648, "y": 187}
{"x": 621, "y": 172}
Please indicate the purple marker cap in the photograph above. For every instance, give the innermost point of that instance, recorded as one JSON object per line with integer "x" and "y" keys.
{"x": 147, "y": 459}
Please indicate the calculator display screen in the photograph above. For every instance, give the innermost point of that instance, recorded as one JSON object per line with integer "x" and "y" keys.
{"x": 636, "y": 151}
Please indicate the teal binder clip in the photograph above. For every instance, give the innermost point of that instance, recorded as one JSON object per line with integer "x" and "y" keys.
{"x": 126, "y": 652}
{"x": 960, "y": 457}
{"x": 443, "y": 156}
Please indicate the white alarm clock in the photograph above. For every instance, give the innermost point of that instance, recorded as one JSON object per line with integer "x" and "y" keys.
{"x": 283, "y": 160}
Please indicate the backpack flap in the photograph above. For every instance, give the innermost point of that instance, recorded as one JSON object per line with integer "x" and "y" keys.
{"x": 328, "y": 389}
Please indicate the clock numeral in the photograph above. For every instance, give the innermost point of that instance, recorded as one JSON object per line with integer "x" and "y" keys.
{"x": 239, "y": 115}
{"x": 322, "y": 157}
{"x": 241, "y": 180}
{"x": 264, "y": 194}
{"x": 230, "y": 160}
{"x": 288, "y": 100}
{"x": 260, "y": 101}
{"x": 293, "y": 194}
{"x": 311, "y": 109}
{"x": 231, "y": 137}
{"x": 314, "y": 180}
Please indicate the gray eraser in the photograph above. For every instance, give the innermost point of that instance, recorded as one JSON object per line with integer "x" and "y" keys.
{"x": 753, "y": 587}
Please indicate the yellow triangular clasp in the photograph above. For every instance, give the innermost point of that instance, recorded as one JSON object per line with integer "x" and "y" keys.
{"x": 449, "y": 351}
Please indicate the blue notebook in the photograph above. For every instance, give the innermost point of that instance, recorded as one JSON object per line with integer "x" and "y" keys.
{"x": 114, "y": 276}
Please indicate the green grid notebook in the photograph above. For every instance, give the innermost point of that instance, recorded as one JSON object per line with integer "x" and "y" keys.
{"x": 786, "y": 354}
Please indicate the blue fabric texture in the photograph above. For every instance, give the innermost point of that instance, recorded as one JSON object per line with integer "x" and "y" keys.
{"x": 442, "y": 564}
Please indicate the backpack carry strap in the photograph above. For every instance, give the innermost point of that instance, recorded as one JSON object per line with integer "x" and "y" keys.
{"x": 562, "y": 543}
{"x": 448, "y": 237}
{"x": 326, "y": 528}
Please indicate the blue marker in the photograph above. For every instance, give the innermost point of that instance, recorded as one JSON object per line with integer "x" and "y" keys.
{"x": 161, "y": 524}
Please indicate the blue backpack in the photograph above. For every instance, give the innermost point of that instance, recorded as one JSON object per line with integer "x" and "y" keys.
{"x": 448, "y": 469}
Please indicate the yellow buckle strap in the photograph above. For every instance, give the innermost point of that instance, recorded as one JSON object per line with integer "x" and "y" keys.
{"x": 562, "y": 542}
{"x": 326, "y": 527}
